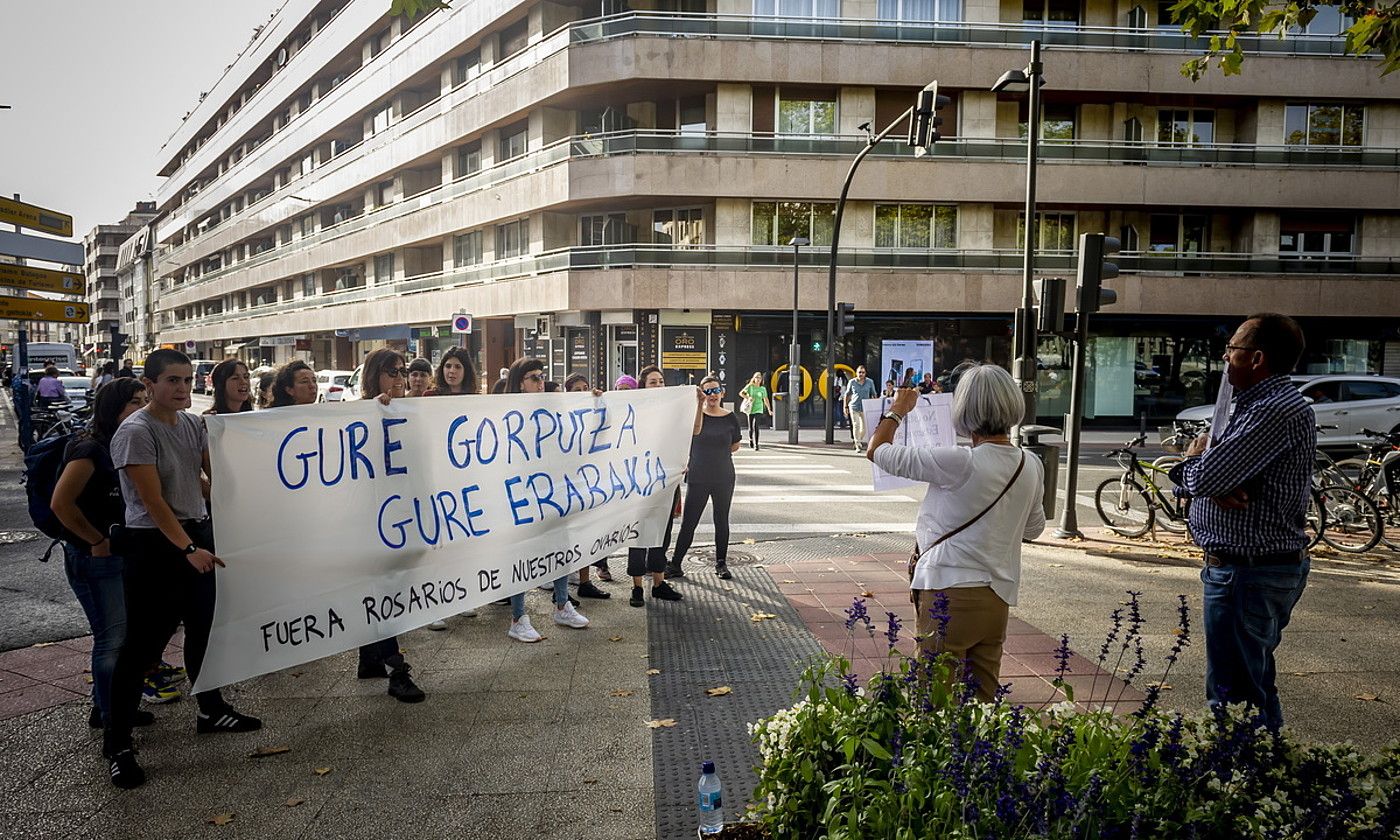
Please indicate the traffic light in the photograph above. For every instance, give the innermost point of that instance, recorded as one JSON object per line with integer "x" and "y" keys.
{"x": 924, "y": 121}
{"x": 1094, "y": 249}
{"x": 119, "y": 340}
{"x": 1051, "y": 293}
{"x": 845, "y": 319}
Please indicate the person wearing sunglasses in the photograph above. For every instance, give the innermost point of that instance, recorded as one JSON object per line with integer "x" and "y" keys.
{"x": 386, "y": 379}
{"x": 713, "y": 442}
{"x": 526, "y": 376}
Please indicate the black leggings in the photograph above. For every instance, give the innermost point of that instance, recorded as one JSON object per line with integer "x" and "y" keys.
{"x": 696, "y": 495}
{"x": 640, "y": 561}
{"x": 162, "y": 590}
{"x": 755, "y": 421}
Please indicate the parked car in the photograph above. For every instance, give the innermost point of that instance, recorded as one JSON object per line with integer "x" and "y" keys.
{"x": 1349, "y": 401}
{"x": 202, "y": 368}
{"x": 77, "y": 388}
{"x": 330, "y": 384}
{"x": 352, "y": 385}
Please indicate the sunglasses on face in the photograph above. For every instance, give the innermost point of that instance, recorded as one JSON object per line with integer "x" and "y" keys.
{"x": 713, "y": 391}
{"x": 534, "y": 377}
{"x": 396, "y": 373}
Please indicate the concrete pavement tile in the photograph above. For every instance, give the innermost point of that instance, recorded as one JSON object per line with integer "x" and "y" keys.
{"x": 544, "y": 707}
{"x": 34, "y": 697}
{"x": 82, "y": 644}
{"x": 9, "y": 681}
{"x": 620, "y": 815}
{"x": 43, "y": 825}
{"x": 22, "y": 659}
{"x": 253, "y": 820}
{"x": 598, "y": 770}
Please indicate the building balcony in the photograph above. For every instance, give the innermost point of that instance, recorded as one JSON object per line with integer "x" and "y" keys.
{"x": 650, "y": 276}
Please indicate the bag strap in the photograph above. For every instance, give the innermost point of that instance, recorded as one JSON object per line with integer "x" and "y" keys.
{"x": 969, "y": 523}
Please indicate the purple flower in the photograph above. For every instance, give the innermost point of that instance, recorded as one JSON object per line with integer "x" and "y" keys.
{"x": 1062, "y": 654}
{"x": 856, "y": 612}
{"x": 851, "y": 683}
{"x": 892, "y": 629}
{"x": 941, "y": 616}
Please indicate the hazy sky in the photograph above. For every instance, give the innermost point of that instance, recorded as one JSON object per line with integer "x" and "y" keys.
{"x": 97, "y": 86}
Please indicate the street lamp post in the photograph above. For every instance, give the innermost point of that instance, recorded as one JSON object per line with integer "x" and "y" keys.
{"x": 1025, "y": 339}
{"x": 794, "y": 349}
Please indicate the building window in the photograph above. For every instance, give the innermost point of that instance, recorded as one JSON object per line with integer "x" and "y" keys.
{"x": 1057, "y": 121}
{"x": 690, "y": 115}
{"x": 605, "y": 229}
{"x": 308, "y": 163}
{"x": 513, "y": 141}
{"x": 916, "y": 226}
{"x": 1312, "y": 237}
{"x": 918, "y": 11}
{"x": 384, "y": 268}
{"x": 469, "y": 159}
{"x": 1186, "y": 127}
{"x": 378, "y": 43}
{"x": 777, "y": 222}
{"x": 512, "y": 239}
{"x": 1185, "y": 233}
{"x": 805, "y": 115}
{"x": 1051, "y": 12}
{"x": 514, "y": 38}
{"x": 1055, "y": 231}
{"x": 466, "y": 249}
{"x": 819, "y": 9}
{"x": 308, "y": 285}
{"x": 383, "y": 193}
{"x": 380, "y": 121}
{"x": 307, "y": 224}
{"x": 1328, "y": 20}
{"x": 348, "y": 278}
{"x": 680, "y": 228}
{"x": 466, "y": 68}
{"x": 1323, "y": 124}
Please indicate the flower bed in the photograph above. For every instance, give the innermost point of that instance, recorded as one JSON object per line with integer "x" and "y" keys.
{"x": 912, "y": 754}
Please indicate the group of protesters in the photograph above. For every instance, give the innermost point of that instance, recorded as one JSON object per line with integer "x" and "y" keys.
{"x": 132, "y": 496}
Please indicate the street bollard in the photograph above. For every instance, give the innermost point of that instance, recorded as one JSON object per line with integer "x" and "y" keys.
{"x": 1049, "y": 455}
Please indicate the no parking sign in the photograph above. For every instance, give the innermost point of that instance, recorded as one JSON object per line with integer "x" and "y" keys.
{"x": 462, "y": 323}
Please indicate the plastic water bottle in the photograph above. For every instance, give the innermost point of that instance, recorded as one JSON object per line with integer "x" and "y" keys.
{"x": 710, "y": 800}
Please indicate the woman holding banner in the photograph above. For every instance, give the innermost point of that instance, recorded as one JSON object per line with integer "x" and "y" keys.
{"x": 526, "y": 376}
{"x": 713, "y": 442}
{"x": 644, "y": 561}
{"x": 455, "y": 374}
{"x": 162, "y": 452}
{"x": 385, "y": 379}
{"x": 294, "y": 384}
{"x": 233, "y": 388}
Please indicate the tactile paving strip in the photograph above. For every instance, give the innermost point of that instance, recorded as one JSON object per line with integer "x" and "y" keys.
{"x": 706, "y": 641}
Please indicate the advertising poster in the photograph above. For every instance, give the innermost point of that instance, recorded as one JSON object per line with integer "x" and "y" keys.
{"x": 899, "y": 358}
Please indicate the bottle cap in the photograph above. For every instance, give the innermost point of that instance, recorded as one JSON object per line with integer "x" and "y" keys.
{"x": 707, "y": 767}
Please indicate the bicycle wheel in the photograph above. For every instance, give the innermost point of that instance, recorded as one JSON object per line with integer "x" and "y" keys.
{"x": 1316, "y": 519}
{"x": 1124, "y": 507}
{"x": 1354, "y": 522}
{"x": 1168, "y": 489}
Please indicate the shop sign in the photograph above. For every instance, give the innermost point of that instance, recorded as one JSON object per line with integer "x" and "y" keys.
{"x": 685, "y": 348}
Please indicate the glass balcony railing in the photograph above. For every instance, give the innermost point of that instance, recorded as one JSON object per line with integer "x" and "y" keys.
{"x": 762, "y": 257}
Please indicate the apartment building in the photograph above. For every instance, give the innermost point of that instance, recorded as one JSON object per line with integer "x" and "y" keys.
{"x": 102, "y": 251}
{"x": 611, "y": 185}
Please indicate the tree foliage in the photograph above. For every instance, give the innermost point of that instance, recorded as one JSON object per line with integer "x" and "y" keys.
{"x": 413, "y": 8}
{"x": 1375, "y": 28}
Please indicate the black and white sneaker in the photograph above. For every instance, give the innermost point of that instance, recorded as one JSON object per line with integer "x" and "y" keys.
{"x": 722, "y": 569}
{"x": 225, "y": 720}
{"x": 403, "y": 689}
{"x": 126, "y": 773}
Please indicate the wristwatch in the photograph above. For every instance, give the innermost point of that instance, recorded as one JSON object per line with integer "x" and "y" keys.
{"x": 191, "y": 549}
{"x": 893, "y": 415}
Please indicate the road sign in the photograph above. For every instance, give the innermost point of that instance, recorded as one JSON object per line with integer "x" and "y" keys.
{"x": 39, "y": 309}
{"x": 42, "y": 279}
{"x": 462, "y": 324}
{"x": 190, "y": 345}
{"x": 36, "y": 218}
{"x": 41, "y": 248}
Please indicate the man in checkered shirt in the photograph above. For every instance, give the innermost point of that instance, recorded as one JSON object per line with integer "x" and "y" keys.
{"x": 1251, "y": 489}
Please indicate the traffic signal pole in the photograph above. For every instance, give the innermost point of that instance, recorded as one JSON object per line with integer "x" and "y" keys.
{"x": 1069, "y": 517}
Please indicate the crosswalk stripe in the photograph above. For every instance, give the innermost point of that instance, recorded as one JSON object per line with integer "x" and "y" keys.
{"x": 797, "y": 499}
{"x": 813, "y": 528}
{"x": 824, "y": 488}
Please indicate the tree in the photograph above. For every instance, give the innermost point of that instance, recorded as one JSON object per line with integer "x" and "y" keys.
{"x": 1375, "y": 28}
{"x": 413, "y": 8}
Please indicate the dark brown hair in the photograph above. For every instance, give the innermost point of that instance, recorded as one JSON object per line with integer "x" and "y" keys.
{"x": 518, "y": 371}
{"x": 220, "y": 376}
{"x": 377, "y": 362}
{"x": 107, "y": 406}
{"x": 468, "y": 375}
{"x": 284, "y": 381}
{"x": 649, "y": 369}
{"x": 1280, "y": 339}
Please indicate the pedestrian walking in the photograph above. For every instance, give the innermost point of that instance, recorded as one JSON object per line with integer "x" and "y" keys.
{"x": 983, "y": 500}
{"x": 162, "y": 452}
{"x": 857, "y": 391}
{"x": 233, "y": 388}
{"x": 526, "y": 376}
{"x": 651, "y": 560}
{"x": 126, "y": 371}
{"x": 105, "y": 374}
{"x": 87, "y": 500}
{"x": 754, "y": 405}
{"x": 837, "y": 388}
{"x": 1250, "y": 489}
{"x": 713, "y": 442}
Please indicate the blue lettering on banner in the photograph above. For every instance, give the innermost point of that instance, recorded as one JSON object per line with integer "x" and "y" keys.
{"x": 594, "y": 448}
{"x": 629, "y": 424}
{"x": 517, "y": 504}
{"x": 399, "y": 526}
{"x": 540, "y": 434}
{"x": 302, "y": 456}
{"x": 356, "y": 444}
{"x": 391, "y": 446}
{"x": 515, "y": 424}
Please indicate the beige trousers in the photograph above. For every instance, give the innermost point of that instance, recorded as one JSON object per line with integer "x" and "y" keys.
{"x": 976, "y": 631}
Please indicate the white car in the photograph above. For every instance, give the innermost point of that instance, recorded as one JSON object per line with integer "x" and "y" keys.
{"x": 1349, "y": 401}
{"x": 330, "y": 384}
{"x": 352, "y": 385}
{"x": 76, "y": 387}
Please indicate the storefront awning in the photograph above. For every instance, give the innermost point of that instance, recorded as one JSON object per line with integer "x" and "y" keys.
{"x": 234, "y": 348}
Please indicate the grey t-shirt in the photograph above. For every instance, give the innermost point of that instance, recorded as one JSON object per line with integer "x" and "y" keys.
{"x": 177, "y": 452}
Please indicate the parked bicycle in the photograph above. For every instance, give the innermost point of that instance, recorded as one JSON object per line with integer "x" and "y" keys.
{"x": 1132, "y": 503}
{"x": 1376, "y": 475}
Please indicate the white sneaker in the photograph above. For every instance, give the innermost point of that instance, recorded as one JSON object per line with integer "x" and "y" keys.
{"x": 522, "y": 630}
{"x": 567, "y": 616}
{"x": 546, "y": 587}
{"x": 471, "y": 613}
{"x": 438, "y": 625}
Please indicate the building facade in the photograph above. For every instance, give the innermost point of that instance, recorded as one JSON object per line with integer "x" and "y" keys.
{"x": 105, "y": 298}
{"x": 608, "y": 186}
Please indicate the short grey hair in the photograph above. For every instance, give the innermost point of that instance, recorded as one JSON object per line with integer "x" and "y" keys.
{"x": 986, "y": 402}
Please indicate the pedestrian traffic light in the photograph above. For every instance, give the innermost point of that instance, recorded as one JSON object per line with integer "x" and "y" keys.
{"x": 119, "y": 340}
{"x": 845, "y": 319}
{"x": 1094, "y": 249}
{"x": 924, "y": 120}
{"x": 1050, "y": 291}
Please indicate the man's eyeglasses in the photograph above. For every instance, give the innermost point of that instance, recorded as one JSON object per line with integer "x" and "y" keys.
{"x": 1230, "y": 347}
{"x": 713, "y": 391}
{"x": 396, "y": 373}
{"x": 535, "y": 377}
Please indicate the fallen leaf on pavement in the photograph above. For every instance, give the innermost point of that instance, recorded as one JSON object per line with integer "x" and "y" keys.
{"x": 220, "y": 819}
{"x": 758, "y": 616}
{"x": 1369, "y": 698}
{"x": 1057, "y": 565}
{"x": 718, "y": 691}
{"x": 661, "y": 723}
{"x": 321, "y": 771}
{"x": 88, "y": 679}
{"x": 788, "y": 580}
{"x": 651, "y": 672}
{"x": 749, "y": 541}
{"x": 614, "y": 638}
{"x": 264, "y": 752}
{"x": 293, "y": 802}
{"x": 621, "y": 692}
{"x": 43, "y": 644}
{"x": 1161, "y": 686}
{"x": 867, "y": 594}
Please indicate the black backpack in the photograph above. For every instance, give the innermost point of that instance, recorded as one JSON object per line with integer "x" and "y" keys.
{"x": 42, "y": 465}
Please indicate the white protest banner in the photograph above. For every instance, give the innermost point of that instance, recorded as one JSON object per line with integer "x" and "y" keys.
{"x": 929, "y": 424}
{"x": 345, "y": 523}
{"x": 1220, "y": 415}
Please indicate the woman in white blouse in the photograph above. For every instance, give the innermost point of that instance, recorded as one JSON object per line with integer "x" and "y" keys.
{"x": 983, "y": 501}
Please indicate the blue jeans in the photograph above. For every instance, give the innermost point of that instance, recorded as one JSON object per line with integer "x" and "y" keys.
{"x": 1246, "y": 609}
{"x": 561, "y": 597}
{"x": 97, "y": 581}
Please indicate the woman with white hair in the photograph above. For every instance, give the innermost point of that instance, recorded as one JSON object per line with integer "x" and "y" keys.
{"x": 983, "y": 500}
